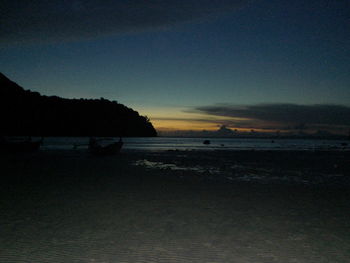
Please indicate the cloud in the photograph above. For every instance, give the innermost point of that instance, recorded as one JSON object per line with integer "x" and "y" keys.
{"x": 57, "y": 20}
{"x": 283, "y": 116}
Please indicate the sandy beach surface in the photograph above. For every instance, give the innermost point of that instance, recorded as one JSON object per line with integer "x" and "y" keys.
{"x": 175, "y": 206}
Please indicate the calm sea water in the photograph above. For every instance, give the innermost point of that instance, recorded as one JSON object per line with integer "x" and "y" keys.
{"x": 167, "y": 143}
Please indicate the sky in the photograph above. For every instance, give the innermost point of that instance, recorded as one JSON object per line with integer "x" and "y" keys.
{"x": 189, "y": 65}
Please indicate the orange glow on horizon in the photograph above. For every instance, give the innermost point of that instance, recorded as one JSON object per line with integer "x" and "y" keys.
{"x": 190, "y": 125}
{"x": 173, "y": 119}
{"x": 183, "y": 125}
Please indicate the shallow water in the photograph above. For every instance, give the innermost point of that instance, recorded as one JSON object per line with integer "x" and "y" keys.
{"x": 256, "y": 167}
{"x": 167, "y": 143}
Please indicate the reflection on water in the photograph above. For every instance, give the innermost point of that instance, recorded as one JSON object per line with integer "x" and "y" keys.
{"x": 243, "y": 172}
{"x": 174, "y": 167}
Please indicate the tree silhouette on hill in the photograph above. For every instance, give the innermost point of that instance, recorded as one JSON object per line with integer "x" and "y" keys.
{"x": 24, "y": 112}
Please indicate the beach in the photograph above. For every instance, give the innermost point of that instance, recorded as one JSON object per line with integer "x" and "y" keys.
{"x": 175, "y": 206}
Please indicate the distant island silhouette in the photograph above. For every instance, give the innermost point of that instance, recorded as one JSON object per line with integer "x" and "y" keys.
{"x": 28, "y": 113}
{"x": 224, "y": 132}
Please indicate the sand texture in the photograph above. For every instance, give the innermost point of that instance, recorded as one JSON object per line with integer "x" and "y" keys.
{"x": 68, "y": 206}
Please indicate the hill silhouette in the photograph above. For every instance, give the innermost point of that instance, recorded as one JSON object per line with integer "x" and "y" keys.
{"x": 24, "y": 112}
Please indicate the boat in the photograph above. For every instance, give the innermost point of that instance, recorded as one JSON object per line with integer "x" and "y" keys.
{"x": 110, "y": 149}
{"x": 19, "y": 145}
{"x": 206, "y": 142}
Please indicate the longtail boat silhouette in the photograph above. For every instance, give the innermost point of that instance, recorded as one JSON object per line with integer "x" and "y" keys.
{"x": 97, "y": 148}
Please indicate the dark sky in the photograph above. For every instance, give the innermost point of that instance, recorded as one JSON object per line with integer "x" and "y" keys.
{"x": 175, "y": 61}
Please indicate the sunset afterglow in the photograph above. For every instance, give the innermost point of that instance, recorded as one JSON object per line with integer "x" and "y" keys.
{"x": 191, "y": 65}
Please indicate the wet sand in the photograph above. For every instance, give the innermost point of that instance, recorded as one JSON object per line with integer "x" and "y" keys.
{"x": 68, "y": 206}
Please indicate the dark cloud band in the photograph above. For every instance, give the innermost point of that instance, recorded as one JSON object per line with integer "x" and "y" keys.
{"x": 284, "y": 113}
{"x": 41, "y": 20}
{"x": 334, "y": 118}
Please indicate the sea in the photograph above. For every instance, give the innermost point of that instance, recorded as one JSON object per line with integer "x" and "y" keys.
{"x": 177, "y": 143}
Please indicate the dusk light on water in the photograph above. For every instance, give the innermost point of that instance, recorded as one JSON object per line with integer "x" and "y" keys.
{"x": 175, "y": 131}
